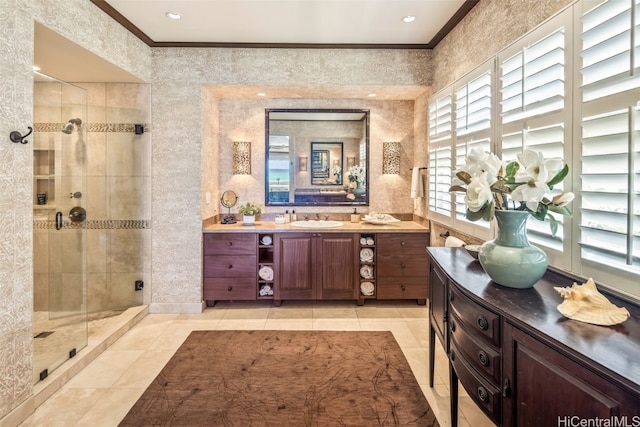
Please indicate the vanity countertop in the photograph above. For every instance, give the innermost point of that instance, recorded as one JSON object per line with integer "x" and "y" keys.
{"x": 347, "y": 227}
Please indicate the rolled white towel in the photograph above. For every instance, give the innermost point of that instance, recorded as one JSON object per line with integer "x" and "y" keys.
{"x": 453, "y": 242}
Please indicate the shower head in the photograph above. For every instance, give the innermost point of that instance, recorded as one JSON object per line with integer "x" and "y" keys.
{"x": 68, "y": 127}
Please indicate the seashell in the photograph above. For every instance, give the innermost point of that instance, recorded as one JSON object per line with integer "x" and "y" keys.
{"x": 586, "y": 304}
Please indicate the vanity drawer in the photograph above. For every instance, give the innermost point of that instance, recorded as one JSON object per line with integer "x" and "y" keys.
{"x": 403, "y": 266}
{"x": 402, "y": 288}
{"x": 229, "y": 289}
{"x": 486, "y": 396}
{"x": 230, "y": 266}
{"x": 482, "y": 322}
{"x": 403, "y": 243}
{"x": 480, "y": 355}
{"x": 230, "y": 243}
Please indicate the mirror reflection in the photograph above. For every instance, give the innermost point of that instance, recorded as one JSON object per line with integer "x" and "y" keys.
{"x": 326, "y": 163}
{"x": 310, "y": 154}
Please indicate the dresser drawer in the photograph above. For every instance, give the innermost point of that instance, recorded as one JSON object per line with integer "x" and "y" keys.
{"x": 486, "y": 396}
{"x": 402, "y": 243}
{"x": 480, "y": 355}
{"x": 230, "y": 266}
{"x": 403, "y": 266}
{"x": 402, "y": 288}
{"x": 230, "y": 243}
{"x": 482, "y": 322}
{"x": 229, "y": 289}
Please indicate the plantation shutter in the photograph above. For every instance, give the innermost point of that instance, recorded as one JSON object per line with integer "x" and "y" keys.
{"x": 473, "y": 121}
{"x": 440, "y": 156}
{"x": 610, "y": 136}
{"x": 533, "y": 97}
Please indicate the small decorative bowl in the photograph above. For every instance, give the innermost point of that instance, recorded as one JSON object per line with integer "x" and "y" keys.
{"x": 472, "y": 250}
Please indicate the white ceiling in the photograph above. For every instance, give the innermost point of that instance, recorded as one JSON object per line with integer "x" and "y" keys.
{"x": 371, "y": 22}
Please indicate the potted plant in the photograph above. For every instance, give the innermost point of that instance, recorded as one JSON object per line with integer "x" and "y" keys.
{"x": 249, "y": 212}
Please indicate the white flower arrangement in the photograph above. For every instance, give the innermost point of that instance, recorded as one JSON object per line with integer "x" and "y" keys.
{"x": 490, "y": 183}
{"x": 337, "y": 170}
{"x": 357, "y": 174}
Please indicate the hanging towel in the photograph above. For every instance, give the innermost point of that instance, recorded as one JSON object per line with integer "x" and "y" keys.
{"x": 417, "y": 186}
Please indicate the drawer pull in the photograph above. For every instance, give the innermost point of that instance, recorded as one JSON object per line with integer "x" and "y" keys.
{"x": 482, "y": 322}
{"x": 402, "y": 243}
{"x": 453, "y": 325}
{"x": 403, "y": 287}
{"x": 230, "y": 288}
{"x": 230, "y": 266}
{"x": 484, "y": 359}
{"x": 402, "y": 265}
{"x": 229, "y": 243}
{"x": 482, "y": 394}
{"x": 506, "y": 389}
{"x": 451, "y": 295}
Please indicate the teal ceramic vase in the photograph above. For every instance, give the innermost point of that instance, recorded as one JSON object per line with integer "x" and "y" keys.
{"x": 509, "y": 259}
{"x": 359, "y": 190}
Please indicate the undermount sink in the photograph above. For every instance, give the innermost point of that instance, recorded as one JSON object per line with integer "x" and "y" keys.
{"x": 316, "y": 224}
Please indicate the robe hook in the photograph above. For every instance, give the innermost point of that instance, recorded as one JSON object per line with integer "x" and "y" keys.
{"x": 16, "y": 136}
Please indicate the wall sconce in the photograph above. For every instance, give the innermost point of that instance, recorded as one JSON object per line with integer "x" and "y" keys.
{"x": 351, "y": 162}
{"x": 302, "y": 160}
{"x": 241, "y": 157}
{"x": 391, "y": 157}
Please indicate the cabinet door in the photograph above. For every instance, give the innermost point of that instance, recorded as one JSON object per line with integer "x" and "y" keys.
{"x": 293, "y": 265}
{"x": 337, "y": 266}
{"x": 546, "y": 387}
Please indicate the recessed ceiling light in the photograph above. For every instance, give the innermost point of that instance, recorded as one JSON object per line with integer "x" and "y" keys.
{"x": 372, "y": 95}
{"x": 408, "y": 18}
{"x": 36, "y": 68}
{"x": 173, "y": 15}
{"x": 261, "y": 94}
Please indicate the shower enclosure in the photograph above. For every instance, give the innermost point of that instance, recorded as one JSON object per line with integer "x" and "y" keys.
{"x": 60, "y": 233}
{"x": 92, "y": 167}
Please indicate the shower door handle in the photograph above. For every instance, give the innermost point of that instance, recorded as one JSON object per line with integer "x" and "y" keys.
{"x": 58, "y": 220}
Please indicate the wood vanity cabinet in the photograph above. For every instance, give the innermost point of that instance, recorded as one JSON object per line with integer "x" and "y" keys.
{"x": 402, "y": 266}
{"x": 520, "y": 360}
{"x": 310, "y": 266}
{"x": 229, "y": 266}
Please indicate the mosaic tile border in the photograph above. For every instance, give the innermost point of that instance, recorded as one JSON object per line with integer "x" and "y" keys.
{"x": 97, "y": 224}
{"x": 90, "y": 127}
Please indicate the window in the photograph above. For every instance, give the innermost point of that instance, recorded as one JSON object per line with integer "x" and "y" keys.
{"x": 609, "y": 137}
{"x": 473, "y": 119}
{"x": 534, "y": 95}
{"x": 440, "y": 156}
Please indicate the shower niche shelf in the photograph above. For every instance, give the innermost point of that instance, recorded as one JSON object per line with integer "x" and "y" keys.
{"x": 44, "y": 178}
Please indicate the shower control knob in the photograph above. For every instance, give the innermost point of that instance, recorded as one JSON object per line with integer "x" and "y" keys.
{"x": 75, "y": 195}
{"x": 77, "y": 214}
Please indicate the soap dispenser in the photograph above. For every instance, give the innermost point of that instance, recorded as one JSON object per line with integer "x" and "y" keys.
{"x": 355, "y": 216}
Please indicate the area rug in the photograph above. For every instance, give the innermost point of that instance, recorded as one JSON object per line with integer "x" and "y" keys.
{"x": 284, "y": 378}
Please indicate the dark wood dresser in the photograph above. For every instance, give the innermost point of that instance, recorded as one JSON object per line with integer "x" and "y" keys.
{"x": 520, "y": 360}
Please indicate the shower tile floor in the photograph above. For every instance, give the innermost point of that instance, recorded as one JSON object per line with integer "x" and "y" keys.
{"x": 127, "y": 353}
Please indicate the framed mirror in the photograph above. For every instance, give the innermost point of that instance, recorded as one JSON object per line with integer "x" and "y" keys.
{"x": 326, "y": 163}
{"x": 309, "y": 153}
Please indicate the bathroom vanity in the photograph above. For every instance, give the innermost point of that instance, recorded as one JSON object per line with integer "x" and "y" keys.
{"x": 279, "y": 262}
{"x": 519, "y": 359}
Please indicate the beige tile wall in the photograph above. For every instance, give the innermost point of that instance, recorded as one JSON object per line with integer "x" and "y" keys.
{"x": 391, "y": 120}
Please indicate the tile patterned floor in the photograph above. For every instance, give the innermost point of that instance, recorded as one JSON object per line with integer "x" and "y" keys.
{"x": 104, "y": 391}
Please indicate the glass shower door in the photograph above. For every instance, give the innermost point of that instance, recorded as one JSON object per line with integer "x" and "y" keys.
{"x": 60, "y": 260}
